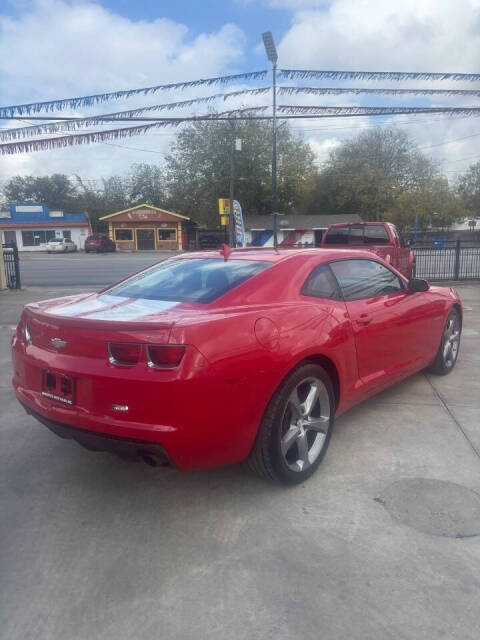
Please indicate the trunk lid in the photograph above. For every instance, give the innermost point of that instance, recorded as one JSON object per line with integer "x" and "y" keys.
{"x": 83, "y": 325}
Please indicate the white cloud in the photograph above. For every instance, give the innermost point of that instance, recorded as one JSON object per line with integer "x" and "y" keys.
{"x": 409, "y": 35}
{"x": 58, "y": 49}
{"x": 406, "y": 35}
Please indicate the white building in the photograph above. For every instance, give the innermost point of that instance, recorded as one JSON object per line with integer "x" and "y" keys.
{"x": 30, "y": 226}
{"x": 293, "y": 230}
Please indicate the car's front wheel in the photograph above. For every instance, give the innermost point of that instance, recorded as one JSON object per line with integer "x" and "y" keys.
{"x": 447, "y": 353}
{"x": 296, "y": 428}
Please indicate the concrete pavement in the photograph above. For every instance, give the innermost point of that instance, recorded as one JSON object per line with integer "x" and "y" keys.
{"x": 94, "y": 547}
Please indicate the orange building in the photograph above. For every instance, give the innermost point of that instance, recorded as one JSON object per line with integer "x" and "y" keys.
{"x": 145, "y": 227}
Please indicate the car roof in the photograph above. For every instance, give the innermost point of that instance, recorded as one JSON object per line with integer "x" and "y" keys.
{"x": 280, "y": 255}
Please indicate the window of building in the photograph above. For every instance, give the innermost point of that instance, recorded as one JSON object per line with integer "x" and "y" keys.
{"x": 321, "y": 283}
{"x": 167, "y": 234}
{"x": 37, "y": 237}
{"x": 67, "y": 234}
{"x": 365, "y": 279}
{"x": 123, "y": 234}
{"x": 27, "y": 239}
{"x": 9, "y": 236}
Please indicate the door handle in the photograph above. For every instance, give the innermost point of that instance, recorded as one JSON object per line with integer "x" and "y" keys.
{"x": 363, "y": 320}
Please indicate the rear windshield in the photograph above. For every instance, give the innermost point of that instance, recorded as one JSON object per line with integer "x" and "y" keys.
{"x": 93, "y": 238}
{"x": 195, "y": 280}
{"x": 357, "y": 234}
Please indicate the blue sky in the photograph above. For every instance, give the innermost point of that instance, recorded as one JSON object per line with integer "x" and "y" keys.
{"x": 61, "y": 48}
{"x": 252, "y": 17}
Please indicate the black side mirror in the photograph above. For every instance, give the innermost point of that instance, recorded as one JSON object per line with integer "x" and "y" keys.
{"x": 418, "y": 284}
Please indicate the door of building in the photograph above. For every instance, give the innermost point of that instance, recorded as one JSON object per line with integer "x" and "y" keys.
{"x": 145, "y": 239}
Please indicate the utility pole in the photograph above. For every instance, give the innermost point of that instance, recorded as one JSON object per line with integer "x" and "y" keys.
{"x": 231, "y": 221}
{"x": 272, "y": 55}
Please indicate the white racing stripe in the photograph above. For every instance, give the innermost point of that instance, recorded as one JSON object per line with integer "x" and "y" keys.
{"x": 133, "y": 310}
{"x": 107, "y": 307}
{"x": 88, "y": 305}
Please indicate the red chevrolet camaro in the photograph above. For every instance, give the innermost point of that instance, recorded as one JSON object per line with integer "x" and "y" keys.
{"x": 209, "y": 359}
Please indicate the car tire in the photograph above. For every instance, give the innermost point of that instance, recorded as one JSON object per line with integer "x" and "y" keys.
{"x": 447, "y": 353}
{"x": 294, "y": 434}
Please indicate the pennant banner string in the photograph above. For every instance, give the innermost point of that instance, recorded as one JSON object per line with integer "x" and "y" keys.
{"x": 290, "y": 112}
{"x": 92, "y": 100}
{"x": 336, "y": 91}
{"x": 294, "y": 74}
{"x": 75, "y": 123}
{"x": 300, "y": 109}
{"x": 25, "y": 146}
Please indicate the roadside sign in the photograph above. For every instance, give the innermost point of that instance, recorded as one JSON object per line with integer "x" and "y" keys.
{"x": 224, "y": 207}
{"x": 238, "y": 224}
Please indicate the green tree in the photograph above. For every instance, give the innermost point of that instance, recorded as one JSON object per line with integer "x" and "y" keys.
{"x": 198, "y": 168}
{"x": 367, "y": 174}
{"x": 469, "y": 190}
{"x": 147, "y": 185}
{"x": 56, "y": 191}
{"x": 100, "y": 199}
{"x": 435, "y": 204}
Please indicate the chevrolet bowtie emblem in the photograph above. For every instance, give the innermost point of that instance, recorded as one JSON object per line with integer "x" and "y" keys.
{"x": 58, "y": 343}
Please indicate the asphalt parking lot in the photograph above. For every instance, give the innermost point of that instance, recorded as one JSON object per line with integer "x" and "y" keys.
{"x": 88, "y": 270}
{"x": 383, "y": 542}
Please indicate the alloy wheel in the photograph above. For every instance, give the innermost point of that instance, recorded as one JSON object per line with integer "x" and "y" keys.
{"x": 451, "y": 340}
{"x": 305, "y": 424}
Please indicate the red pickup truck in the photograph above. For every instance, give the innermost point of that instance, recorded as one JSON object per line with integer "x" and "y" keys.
{"x": 380, "y": 237}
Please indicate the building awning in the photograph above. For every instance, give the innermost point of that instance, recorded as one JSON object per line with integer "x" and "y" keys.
{"x": 143, "y": 206}
{"x": 41, "y": 225}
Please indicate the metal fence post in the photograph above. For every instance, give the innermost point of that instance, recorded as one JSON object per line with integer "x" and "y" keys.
{"x": 456, "y": 275}
{"x": 3, "y": 276}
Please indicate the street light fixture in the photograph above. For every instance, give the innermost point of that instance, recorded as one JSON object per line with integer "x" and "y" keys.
{"x": 272, "y": 55}
{"x": 270, "y": 47}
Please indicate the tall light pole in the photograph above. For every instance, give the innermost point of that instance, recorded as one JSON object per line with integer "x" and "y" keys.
{"x": 272, "y": 55}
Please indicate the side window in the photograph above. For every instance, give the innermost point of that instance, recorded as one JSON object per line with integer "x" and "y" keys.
{"x": 365, "y": 279}
{"x": 320, "y": 284}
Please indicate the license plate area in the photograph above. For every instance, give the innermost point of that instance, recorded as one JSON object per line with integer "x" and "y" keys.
{"x": 59, "y": 387}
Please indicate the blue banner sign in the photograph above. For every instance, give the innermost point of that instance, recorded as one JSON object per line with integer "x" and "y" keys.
{"x": 238, "y": 223}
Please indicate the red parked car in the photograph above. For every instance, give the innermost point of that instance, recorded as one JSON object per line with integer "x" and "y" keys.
{"x": 382, "y": 238}
{"x": 210, "y": 359}
{"x": 99, "y": 244}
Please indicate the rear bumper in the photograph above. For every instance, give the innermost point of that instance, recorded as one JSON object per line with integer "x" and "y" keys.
{"x": 150, "y": 452}
{"x": 186, "y": 412}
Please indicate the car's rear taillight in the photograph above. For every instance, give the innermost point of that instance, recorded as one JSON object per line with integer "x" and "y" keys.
{"x": 124, "y": 354}
{"x": 27, "y": 336}
{"x": 164, "y": 356}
